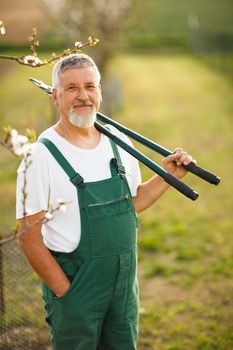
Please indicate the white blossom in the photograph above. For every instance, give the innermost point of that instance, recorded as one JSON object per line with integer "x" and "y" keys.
{"x": 78, "y": 44}
{"x": 20, "y": 144}
{"x": 27, "y": 150}
{"x": 28, "y": 211}
{"x": 62, "y": 208}
{"x": 61, "y": 200}
{"x": 20, "y": 150}
{"x": 2, "y": 31}
{"x": 14, "y": 133}
{"x": 2, "y": 28}
{"x": 32, "y": 60}
{"x": 48, "y": 216}
{"x": 22, "y": 139}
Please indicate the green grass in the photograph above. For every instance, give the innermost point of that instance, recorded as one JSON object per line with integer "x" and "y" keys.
{"x": 185, "y": 247}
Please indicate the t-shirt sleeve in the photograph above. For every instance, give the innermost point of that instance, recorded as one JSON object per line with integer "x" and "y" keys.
{"x": 37, "y": 183}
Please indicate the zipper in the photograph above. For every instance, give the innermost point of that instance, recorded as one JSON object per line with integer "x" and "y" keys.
{"x": 109, "y": 202}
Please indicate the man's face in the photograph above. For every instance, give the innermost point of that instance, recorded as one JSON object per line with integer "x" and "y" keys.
{"x": 78, "y": 96}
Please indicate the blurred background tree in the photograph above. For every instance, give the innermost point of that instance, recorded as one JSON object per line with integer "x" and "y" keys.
{"x": 103, "y": 19}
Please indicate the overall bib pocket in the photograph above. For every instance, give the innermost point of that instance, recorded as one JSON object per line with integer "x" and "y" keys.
{"x": 117, "y": 206}
{"x": 112, "y": 225}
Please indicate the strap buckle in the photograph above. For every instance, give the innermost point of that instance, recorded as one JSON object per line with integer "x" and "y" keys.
{"x": 77, "y": 180}
{"x": 121, "y": 169}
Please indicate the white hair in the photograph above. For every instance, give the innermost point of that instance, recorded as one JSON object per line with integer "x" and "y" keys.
{"x": 80, "y": 60}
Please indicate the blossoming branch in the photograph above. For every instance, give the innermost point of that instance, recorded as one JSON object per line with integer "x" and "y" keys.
{"x": 33, "y": 60}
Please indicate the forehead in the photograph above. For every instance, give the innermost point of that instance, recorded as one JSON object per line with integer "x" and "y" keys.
{"x": 78, "y": 76}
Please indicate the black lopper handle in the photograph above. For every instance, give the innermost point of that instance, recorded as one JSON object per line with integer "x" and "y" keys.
{"x": 180, "y": 186}
{"x": 203, "y": 173}
{"x": 192, "y": 167}
{"x": 169, "y": 178}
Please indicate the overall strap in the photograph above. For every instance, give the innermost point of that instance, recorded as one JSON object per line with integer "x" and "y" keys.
{"x": 117, "y": 166}
{"x": 75, "y": 178}
{"x": 116, "y": 162}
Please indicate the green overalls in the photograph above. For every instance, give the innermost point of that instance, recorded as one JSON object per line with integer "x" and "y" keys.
{"x": 100, "y": 310}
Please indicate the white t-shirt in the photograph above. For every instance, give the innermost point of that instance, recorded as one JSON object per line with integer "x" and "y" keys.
{"x": 48, "y": 182}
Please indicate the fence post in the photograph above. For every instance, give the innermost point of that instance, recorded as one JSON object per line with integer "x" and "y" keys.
{"x": 2, "y": 299}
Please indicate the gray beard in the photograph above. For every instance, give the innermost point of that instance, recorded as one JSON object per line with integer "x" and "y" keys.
{"x": 82, "y": 122}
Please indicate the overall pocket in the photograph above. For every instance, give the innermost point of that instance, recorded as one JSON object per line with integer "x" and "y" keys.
{"x": 74, "y": 279}
{"x": 79, "y": 305}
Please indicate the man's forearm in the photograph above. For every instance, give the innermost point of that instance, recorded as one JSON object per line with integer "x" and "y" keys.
{"x": 149, "y": 192}
{"x": 40, "y": 257}
{"x": 44, "y": 264}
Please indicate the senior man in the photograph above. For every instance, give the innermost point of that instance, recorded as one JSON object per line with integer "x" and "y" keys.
{"x": 87, "y": 256}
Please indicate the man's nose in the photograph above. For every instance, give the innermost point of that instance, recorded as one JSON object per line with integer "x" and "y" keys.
{"x": 82, "y": 94}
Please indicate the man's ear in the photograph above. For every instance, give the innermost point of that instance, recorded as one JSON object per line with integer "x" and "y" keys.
{"x": 101, "y": 98}
{"x": 54, "y": 97}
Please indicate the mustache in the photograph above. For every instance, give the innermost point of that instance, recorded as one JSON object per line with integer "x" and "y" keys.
{"x": 82, "y": 103}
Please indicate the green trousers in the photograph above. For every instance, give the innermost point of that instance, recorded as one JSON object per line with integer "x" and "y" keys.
{"x": 100, "y": 309}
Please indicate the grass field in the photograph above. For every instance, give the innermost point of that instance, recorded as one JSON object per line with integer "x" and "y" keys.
{"x": 185, "y": 247}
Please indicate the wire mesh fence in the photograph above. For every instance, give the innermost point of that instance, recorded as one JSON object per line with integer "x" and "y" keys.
{"x": 22, "y": 325}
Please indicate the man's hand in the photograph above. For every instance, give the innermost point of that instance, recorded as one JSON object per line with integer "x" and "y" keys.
{"x": 63, "y": 289}
{"x": 174, "y": 163}
{"x": 39, "y": 256}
